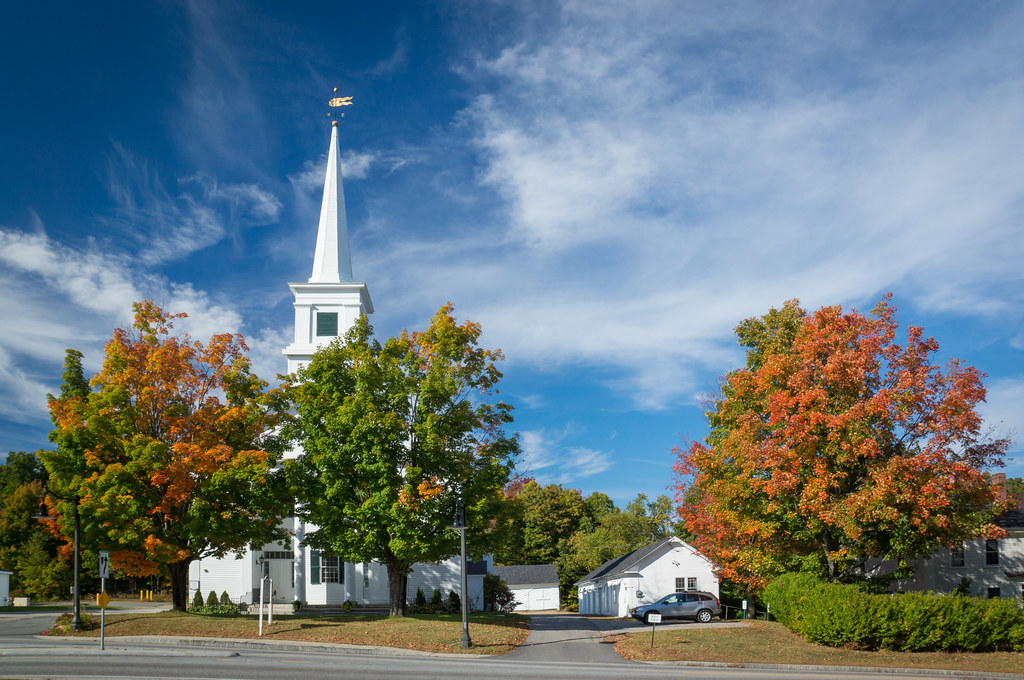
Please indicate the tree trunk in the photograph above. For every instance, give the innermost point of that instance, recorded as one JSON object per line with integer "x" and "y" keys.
{"x": 179, "y": 583}
{"x": 398, "y": 579}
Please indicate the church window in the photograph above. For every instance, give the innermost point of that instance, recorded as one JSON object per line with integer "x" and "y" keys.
{"x": 325, "y": 568}
{"x": 326, "y": 324}
{"x": 331, "y": 569}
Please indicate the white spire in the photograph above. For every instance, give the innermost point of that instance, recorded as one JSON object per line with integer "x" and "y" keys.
{"x": 332, "y": 262}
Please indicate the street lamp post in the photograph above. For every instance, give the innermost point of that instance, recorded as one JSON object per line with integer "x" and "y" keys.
{"x": 76, "y": 619}
{"x": 460, "y": 524}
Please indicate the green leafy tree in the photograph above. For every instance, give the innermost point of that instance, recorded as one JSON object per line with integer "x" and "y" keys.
{"x": 170, "y": 448}
{"x": 27, "y": 548}
{"x": 393, "y": 436}
{"x": 836, "y": 445}
{"x": 617, "y": 532}
{"x": 543, "y": 518}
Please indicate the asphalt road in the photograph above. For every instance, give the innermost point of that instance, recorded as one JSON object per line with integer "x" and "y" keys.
{"x": 559, "y": 646}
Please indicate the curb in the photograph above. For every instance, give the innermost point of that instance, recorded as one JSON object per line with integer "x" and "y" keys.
{"x": 880, "y": 670}
{"x": 267, "y": 645}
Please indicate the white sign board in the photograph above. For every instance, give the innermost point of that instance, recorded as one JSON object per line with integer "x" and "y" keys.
{"x": 654, "y": 618}
{"x": 104, "y": 565}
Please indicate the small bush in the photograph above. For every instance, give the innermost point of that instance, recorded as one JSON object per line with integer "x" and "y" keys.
{"x": 497, "y": 595}
{"x": 212, "y": 600}
{"x": 297, "y": 605}
{"x": 419, "y": 604}
{"x": 214, "y": 609}
{"x": 436, "y": 603}
{"x": 224, "y": 599}
{"x": 454, "y": 603}
{"x": 348, "y": 605}
{"x": 63, "y": 623}
{"x": 197, "y": 601}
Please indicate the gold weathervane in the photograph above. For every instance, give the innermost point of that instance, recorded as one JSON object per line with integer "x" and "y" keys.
{"x": 338, "y": 102}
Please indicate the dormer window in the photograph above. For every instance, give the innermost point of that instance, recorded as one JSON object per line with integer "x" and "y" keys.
{"x": 326, "y": 324}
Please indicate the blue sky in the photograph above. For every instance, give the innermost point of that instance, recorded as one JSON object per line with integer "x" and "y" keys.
{"x": 608, "y": 187}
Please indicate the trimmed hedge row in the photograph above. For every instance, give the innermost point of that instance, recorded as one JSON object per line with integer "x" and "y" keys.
{"x": 845, "y": 616}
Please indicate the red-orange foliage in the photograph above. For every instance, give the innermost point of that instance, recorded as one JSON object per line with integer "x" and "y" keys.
{"x": 838, "y": 447}
{"x": 169, "y": 447}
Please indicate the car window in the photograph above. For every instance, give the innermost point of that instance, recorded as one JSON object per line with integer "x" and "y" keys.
{"x": 671, "y": 599}
{"x": 690, "y": 598}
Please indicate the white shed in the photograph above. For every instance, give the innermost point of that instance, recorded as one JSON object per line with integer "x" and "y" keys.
{"x": 535, "y": 586}
{"x": 5, "y": 587}
{"x": 644, "y": 575}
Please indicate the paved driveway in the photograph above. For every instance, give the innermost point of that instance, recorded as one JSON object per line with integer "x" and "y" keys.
{"x": 565, "y": 638}
{"x": 579, "y": 639}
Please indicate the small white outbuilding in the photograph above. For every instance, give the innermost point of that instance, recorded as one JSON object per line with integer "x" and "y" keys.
{"x": 643, "y": 576}
{"x": 535, "y": 586}
{"x": 5, "y": 587}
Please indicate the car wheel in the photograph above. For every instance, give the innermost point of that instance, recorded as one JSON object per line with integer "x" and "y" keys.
{"x": 647, "y": 617}
{"x": 704, "y": 616}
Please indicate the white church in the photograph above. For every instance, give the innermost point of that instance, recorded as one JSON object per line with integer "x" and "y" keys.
{"x": 326, "y": 306}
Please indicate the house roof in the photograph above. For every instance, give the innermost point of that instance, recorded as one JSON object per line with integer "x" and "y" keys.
{"x": 528, "y": 574}
{"x": 1010, "y": 519}
{"x": 628, "y": 563}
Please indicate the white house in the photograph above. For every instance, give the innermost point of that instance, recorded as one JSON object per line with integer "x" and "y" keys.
{"x": 535, "y": 586}
{"x": 5, "y": 587}
{"x": 989, "y": 568}
{"x": 643, "y": 576}
{"x": 326, "y": 306}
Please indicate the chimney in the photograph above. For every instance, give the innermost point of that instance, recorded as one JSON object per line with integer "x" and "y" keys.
{"x": 999, "y": 482}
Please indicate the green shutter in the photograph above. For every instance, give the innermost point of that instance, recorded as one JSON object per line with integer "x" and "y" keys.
{"x": 314, "y": 567}
{"x": 326, "y": 324}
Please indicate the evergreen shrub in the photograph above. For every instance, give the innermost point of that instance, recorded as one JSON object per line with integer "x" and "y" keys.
{"x": 224, "y": 599}
{"x": 197, "y": 601}
{"x": 454, "y": 603}
{"x": 436, "y": 602}
{"x": 845, "y": 616}
{"x": 212, "y": 600}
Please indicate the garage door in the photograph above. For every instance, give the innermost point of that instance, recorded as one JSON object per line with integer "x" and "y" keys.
{"x": 537, "y": 598}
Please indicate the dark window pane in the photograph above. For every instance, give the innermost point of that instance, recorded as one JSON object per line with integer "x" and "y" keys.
{"x": 326, "y": 324}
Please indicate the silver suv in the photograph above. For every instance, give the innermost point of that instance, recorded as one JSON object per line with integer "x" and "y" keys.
{"x": 692, "y": 604}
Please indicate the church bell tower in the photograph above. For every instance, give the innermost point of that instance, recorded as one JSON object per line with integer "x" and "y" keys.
{"x": 331, "y": 300}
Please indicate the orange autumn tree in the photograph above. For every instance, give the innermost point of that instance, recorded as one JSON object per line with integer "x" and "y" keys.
{"x": 836, "y": 448}
{"x": 170, "y": 447}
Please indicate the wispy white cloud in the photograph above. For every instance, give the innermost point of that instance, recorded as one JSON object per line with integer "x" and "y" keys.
{"x": 549, "y": 460}
{"x": 170, "y": 227}
{"x": 64, "y": 297}
{"x": 669, "y": 170}
{"x": 1003, "y": 410}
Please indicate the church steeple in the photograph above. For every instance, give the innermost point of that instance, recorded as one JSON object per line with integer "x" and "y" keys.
{"x": 332, "y": 262}
{"x": 329, "y": 303}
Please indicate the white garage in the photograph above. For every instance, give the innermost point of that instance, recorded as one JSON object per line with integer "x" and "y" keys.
{"x": 5, "y": 587}
{"x": 535, "y": 586}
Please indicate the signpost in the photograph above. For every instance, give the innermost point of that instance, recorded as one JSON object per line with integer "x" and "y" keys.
{"x": 103, "y": 599}
{"x": 654, "y": 620}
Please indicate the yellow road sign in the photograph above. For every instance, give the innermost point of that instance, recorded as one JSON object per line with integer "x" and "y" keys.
{"x": 103, "y": 600}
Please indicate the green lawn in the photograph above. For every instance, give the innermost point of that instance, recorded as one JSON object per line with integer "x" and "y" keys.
{"x": 763, "y": 642}
{"x": 491, "y": 633}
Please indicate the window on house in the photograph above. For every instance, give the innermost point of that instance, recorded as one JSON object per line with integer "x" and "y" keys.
{"x": 326, "y": 324}
{"x": 325, "y": 568}
{"x": 686, "y": 583}
{"x": 956, "y": 556}
{"x": 993, "y": 593}
{"x": 366, "y": 574}
{"x": 992, "y": 551}
{"x": 331, "y": 569}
